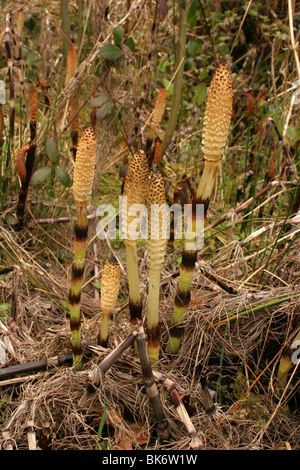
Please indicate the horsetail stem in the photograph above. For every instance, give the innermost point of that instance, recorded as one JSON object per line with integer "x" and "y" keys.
{"x": 33, "y": 110}
{"x": 150, "y": 386}
{"x": 159, "y": 109}
{"x": 135, "y": 189}
{"x": 82, "y": 189}
{"x": 24, "y": 168}
{"x": 156, "y": 250}
{"x": 215, "y": 131}
{"x": 71, "y": 70}
{"x": 110, "y": 286}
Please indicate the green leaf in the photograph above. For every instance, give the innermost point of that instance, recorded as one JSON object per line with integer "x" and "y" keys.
{"x": 104, "y": 105}
{"x": 111, "y": 52}
{"x": 191, "y": 16}
{"x": 40, "y": 175}
{"x": 11, "y": 219}
{"x": 66, "y": 305}
{"x": 130, "y": 43}
{"x": 52, "y": 150}
{"x": 63, "y": 176}
{"x": 200, "y": 93}
{"x": 101, "y": 426}
{"x": 118, "y": 34}
{"x": 4, "y": 306}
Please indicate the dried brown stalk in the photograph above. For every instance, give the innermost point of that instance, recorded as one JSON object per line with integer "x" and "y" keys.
{"x": 25, "y": 172}
{"x": 150, "y": 385}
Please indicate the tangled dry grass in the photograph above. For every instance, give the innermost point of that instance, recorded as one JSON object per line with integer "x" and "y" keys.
{"x": 65, "y": 406}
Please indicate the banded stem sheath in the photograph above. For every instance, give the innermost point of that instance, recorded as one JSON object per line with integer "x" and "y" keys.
{"x": 156, "y": 251}
{"x": 82, "y": 188}
{"x": 135, "y": 190}
{"x": 110, "y": 286}
{"x": 215, "y": 131}
{"x": 285, "y": 365}
{"x": 77, "y": 278}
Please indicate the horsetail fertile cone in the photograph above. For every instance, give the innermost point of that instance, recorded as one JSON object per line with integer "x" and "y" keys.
{"x": 33, "y": 110}
{"x": 156, "y": 251}
{"x": 20, "y": 162}
{"x": 82, "y": 189}
{"x": 110, "y": 286}
{"x": 159, "y": 109}
{"x": 216, "y": 125}
{"x": 71, "y": 63}
{"x": 135, "y": 189}
{"x": 215, "y": 132}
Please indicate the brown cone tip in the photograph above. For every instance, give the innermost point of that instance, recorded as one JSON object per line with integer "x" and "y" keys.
{"x": 20, "y": 162}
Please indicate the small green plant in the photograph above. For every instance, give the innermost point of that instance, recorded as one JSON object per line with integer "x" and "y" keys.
{"x": 99, "y": 445}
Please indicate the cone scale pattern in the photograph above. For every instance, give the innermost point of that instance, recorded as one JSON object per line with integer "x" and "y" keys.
{"x": 110, "y": 286}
